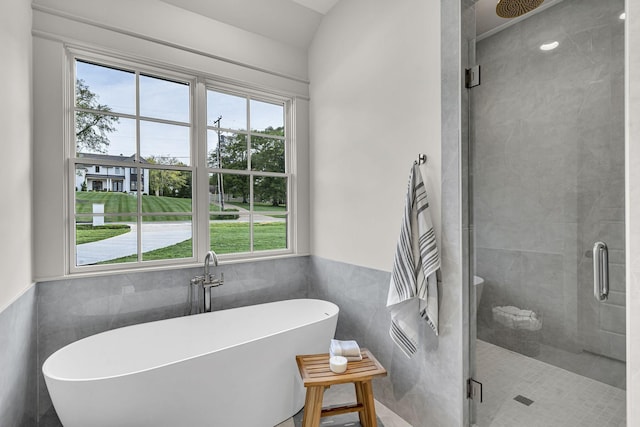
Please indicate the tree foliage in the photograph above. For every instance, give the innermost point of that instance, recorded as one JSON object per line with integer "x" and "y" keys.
{"x": 267, "y": 155}
{"x": 232, "y": 155}
{"x": 168, "y": 183}
{"x": 92, "y": 127}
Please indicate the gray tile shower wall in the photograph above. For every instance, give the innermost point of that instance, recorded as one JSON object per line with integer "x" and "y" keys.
{"x": 409, "y": 389}
{"x": 549, "y": 171}
{"x": 18, "y": 361}
{"x": 71, "y": 309}
{"x": 361, "y": 294}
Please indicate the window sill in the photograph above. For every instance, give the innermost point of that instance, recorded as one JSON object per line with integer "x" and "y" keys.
{"x": 142, "y": 269}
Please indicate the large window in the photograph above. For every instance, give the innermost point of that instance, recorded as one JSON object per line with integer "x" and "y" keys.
{"x": 136, "y": 169}
{"x": 246, "y": 147}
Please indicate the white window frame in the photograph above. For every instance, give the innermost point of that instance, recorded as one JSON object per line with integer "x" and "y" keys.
{"x": 287, "y": 174}
{"x": 199, "y": 84}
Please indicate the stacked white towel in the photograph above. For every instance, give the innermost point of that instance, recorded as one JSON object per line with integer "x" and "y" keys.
{"x": 348, "y": 349}
{"x": 516, "y": 318}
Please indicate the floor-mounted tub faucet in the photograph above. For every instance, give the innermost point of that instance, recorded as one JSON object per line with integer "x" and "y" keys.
{"x": 208, "y": 280}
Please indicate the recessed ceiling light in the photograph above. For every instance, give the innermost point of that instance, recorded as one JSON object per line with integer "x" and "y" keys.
{"x": 623, "y": 16}
{"x": 549, "y": 45}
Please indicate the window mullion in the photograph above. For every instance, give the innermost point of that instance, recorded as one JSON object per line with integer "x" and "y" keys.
{"x": 107, "y": 113}
{"x": 139, "y": 171}
{"x": 251, "y": 210}
{"x": 249, "y": 168}
{"x": 248, "y": 106}
{"x": 289, "y": 152}
{"x": 200, "y": 189}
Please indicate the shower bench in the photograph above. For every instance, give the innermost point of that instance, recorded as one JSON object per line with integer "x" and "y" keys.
{"x": 316, "y": 376}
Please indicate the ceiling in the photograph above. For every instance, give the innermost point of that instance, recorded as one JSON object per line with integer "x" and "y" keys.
{"x": 294, "y": 22}
{"x": 321, "y": 6}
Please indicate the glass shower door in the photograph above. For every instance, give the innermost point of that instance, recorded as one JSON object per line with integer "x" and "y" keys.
{"x": 547, "y": 180}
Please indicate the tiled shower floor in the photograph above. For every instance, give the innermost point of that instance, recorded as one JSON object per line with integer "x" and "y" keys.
{"x": 560, "y": 398}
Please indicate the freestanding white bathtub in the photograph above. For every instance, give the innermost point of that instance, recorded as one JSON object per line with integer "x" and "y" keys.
{"x": 229, "y": 368}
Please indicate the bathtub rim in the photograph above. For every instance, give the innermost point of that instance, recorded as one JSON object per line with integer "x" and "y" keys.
{"x": 184, "y": 359}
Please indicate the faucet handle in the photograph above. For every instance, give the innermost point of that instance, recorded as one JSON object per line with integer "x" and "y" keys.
{"x": 210, "y": 280}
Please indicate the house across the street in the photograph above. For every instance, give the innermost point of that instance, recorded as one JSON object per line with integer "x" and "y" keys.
{"x": 102, "y": 177}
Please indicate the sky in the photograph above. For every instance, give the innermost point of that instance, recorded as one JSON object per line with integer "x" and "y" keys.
{"x": 167, "y": 100}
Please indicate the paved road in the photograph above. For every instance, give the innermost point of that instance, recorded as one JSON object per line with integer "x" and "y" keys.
{"x": 256, "y": 216}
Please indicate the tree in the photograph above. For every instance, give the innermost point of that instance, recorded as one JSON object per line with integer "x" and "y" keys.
{"x": 92, "y": 127}
{"x": 267, "y": 155}
{"x": 184, "y": 192}
{"x": 164, "y": 182}
{"x": 233, "y": 155}
{"x": 270, "y": 189}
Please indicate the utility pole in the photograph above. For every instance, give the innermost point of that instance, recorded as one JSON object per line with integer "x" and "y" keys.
{"x": 220, "y": 180}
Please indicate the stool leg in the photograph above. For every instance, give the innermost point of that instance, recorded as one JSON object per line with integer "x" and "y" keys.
{"x": 358, "y": 387}
{"x": 313, "y": 406}
{"x": 366, "y": 398}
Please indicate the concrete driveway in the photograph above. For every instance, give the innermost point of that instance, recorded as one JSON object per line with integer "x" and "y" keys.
{"x": 155, "y": 235}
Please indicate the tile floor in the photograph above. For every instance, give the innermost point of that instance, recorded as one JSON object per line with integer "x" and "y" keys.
{"x": 341, "y": 394}
{"x": 599, "y": 368}
{"x": 560, "y": 398}
{"x": 518, "y": 392}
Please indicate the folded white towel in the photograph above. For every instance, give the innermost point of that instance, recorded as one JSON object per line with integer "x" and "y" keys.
{"x": 349, "y": 349}
{"x": 515, "y": 318}
{"x": 349, "y": 358}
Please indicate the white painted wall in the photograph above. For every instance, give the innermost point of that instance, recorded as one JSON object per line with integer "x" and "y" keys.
{"x": 633, "y": 212}
{"x": 162, "y": 21}
{"x": 374, "y": 68}
{"x": 155, "y": 32}
{"x": 16, "y": 143}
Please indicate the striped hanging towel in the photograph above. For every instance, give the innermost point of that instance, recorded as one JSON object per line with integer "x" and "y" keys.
{"x": 415, "y": 267}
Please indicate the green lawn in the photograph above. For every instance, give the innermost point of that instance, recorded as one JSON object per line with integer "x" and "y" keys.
{"x": 122, "y": 203}
{"x": 269, "y": 235}
{"x": 86, "y": 233}
{"x": 232, "y": 237}
{"x": 225, "y": 238}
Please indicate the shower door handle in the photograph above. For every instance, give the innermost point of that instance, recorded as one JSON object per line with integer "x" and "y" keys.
{"x": 600, "y": 271}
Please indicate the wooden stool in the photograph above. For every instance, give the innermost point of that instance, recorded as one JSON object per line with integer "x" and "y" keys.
{"x": 316, "y": 376}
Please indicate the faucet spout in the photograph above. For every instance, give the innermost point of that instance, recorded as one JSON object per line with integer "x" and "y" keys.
{"x": 210, "y": 256}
